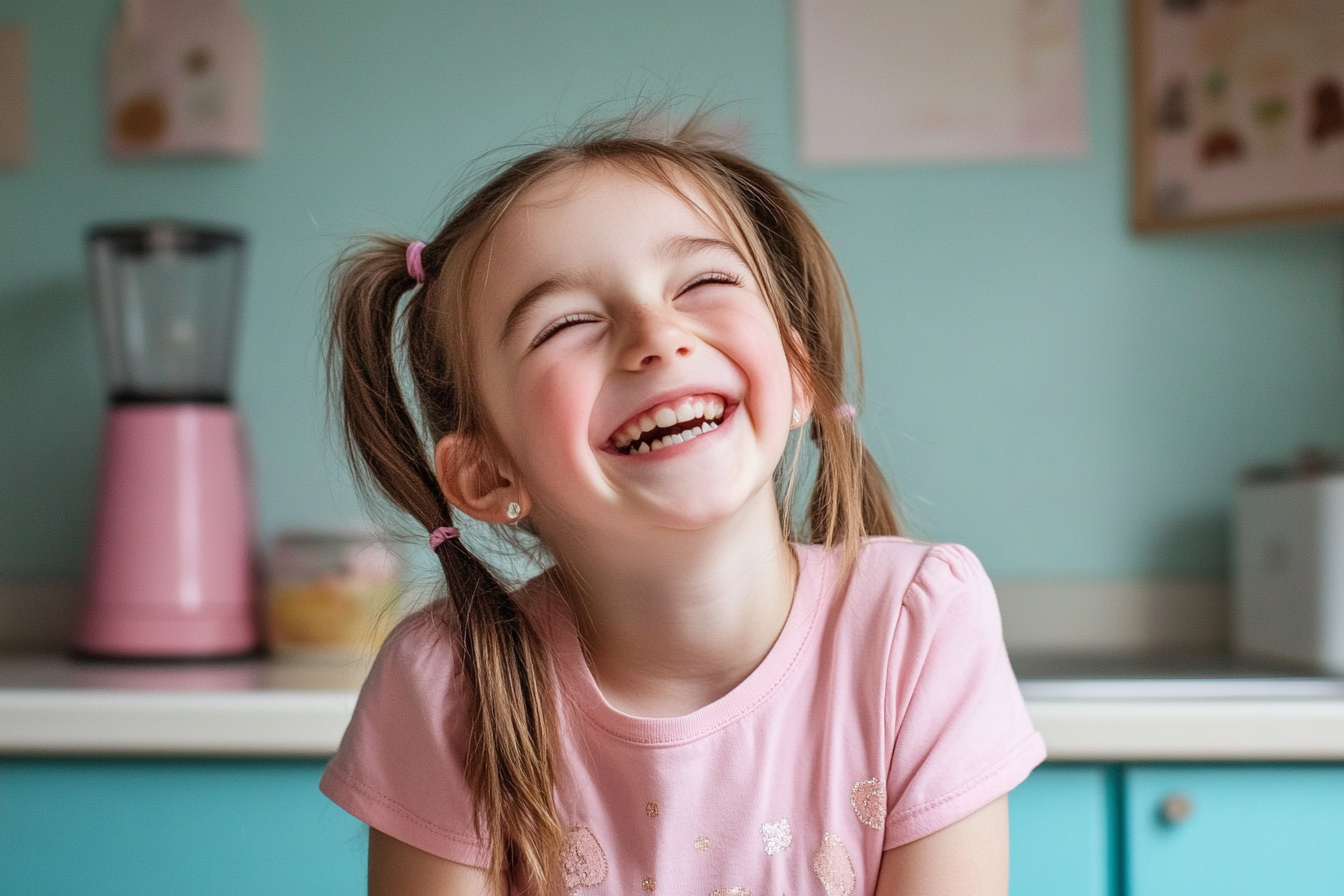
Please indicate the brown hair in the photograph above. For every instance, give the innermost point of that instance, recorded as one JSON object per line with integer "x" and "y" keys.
{"x": 512, "y": 761}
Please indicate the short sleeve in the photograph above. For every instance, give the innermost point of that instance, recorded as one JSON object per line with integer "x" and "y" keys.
{"x": 399, "y": 767}
{"x": 963, "y": 736}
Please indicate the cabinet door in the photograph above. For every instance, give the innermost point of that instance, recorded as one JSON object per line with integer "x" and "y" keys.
{"x": 182, "y": 827}
{"x": 1235, "y": 830}
{"x": 1060, "y": 832}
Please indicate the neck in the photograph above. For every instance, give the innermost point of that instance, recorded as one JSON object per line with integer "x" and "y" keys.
{"x": 673, "y": 620}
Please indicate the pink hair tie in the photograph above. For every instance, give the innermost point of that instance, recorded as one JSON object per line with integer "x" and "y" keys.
{"x": 414, "y": 266}
{"x": 846, "y": 411}
{"x": 441, "y": 534}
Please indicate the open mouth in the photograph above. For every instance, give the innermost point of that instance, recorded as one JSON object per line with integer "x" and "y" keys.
{"x": 669, "y": 424}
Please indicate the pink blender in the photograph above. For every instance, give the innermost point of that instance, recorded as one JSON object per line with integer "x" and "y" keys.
{"x": 171, "y": 570}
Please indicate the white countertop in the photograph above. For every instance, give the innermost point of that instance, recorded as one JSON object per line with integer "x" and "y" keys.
{"x": 52, "y": 705}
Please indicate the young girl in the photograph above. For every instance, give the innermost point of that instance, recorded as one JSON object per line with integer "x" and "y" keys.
{"x": 610, "y": 345}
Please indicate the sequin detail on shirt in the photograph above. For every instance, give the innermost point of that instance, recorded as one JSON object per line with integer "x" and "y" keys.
{"x": 582, "y": 860}
{"x": 701, "y": 843}
{"x": 869, "y": 802}
{"x": 833, "y": 867}
{"x": 651, "y": 810}
{"x": 648, "y": 885}
{"x": 777, "y": 836}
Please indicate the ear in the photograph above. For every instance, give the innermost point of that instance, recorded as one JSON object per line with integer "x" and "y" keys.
{"x": 802, "y": 396}
{"x": 475, "y": 483}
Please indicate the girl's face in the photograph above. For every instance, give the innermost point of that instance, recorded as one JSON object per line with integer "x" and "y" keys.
{"x": 628, "y": 361}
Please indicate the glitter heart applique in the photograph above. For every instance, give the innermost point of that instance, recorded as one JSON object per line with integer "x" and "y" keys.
{"x": 833, "y": 867}
{"x": 869, "y": 800}
{"x": 582, "y": 860}
{"x": 777, "y": 836}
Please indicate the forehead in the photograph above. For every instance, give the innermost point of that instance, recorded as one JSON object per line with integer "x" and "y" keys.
{"x": 587, "y": 208}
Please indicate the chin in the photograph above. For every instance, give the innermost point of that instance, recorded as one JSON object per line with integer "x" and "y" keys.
{"x": 707, "y": 511}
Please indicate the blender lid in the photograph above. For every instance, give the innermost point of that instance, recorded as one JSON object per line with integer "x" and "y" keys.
{"x": 142, "y": 238}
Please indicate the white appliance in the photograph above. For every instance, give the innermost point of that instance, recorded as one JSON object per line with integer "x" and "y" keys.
{"x": 1288, "y": 570}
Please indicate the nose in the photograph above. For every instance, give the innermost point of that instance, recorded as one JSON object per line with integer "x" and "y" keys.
{"x": 654, "y": 337}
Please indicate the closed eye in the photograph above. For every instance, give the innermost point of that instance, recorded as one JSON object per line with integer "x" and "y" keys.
{"x": 713, "y": 277}
{"x": 554, "y": 327}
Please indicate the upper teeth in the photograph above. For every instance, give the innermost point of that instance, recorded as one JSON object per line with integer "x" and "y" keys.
{"x": 632, "y": 438}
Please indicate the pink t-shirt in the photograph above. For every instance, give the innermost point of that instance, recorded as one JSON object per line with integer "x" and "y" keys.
{"x": 885, "y": 711}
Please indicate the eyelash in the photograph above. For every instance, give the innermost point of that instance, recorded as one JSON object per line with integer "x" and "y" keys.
{"x": 714, "y": 277}
{"x": 557, "y": 326}
{"x": 571, "y": 319}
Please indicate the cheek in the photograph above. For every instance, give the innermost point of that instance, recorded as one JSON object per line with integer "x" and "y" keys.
{"x": 551, "y": 408}
{"x": 553, "y": 403}
{"x": 760, "y": 352}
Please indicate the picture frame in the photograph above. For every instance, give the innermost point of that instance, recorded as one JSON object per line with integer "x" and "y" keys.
{"x": 1236, "y": 112}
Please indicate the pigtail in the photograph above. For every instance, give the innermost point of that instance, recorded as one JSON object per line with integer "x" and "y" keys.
{"x": 879, "y": 510}
{"x": 510, "y": 763}
{"x": 511, "y": 757}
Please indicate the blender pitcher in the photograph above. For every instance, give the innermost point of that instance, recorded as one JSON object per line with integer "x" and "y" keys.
{"x": 171, "y": 572}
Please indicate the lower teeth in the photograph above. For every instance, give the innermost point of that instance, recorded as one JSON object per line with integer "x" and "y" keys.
{"x": 675, "y": 438}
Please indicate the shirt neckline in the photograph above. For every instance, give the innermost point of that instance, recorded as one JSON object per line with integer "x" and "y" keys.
{"x": 577, "y": 683}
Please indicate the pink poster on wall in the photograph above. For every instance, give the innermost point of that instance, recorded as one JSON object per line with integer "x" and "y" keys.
{"x": 183, "y": 78}
{"x": 883, "y": 81}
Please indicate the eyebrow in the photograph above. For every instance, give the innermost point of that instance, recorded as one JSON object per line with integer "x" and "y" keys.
{"x": 681, "y": 246}
{"x": 676, "y": 247}
{"x": 551, "y": 285}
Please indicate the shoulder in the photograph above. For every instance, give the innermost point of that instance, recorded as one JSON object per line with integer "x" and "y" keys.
{"x": 422, "y": 641}
{"x": 904, "y": 573}
{"x": 938, "y": 573}
{"x": 422, "y": 654}
{"x": 417, "y": 673}
{"x": 945, "y": 592}
{"x": 899, "y": 600}
{"x": 963, "y": 736}
{"x": 401, "y": 765}
{"x": 917, "y": 558}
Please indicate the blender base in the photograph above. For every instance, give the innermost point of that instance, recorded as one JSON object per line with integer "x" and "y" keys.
{"x": 172, "y": 568}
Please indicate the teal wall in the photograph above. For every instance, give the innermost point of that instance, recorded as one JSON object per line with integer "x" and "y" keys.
{"x": 1043, "y": 386}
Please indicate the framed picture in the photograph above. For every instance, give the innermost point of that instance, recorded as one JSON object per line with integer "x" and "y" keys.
{"x": 183, "y": 79}
{"x": 1237, "y": 112}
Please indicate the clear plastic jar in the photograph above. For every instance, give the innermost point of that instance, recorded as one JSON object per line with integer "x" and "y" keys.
{"x": 331, "y": 595}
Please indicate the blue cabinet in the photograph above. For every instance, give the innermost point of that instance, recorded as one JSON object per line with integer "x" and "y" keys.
{"x": 148, "y": 827}
{"x": 228, "y": 827}
{"x": 143, "y": 827}
{"x": 1179, "y": 830}
{"x": 1234, "y": 830}
{"x": 1061, "y": 833}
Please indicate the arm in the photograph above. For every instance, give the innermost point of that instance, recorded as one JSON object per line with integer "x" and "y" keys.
{"x": 967, "y": 858}
{"x": 399, "y": 869}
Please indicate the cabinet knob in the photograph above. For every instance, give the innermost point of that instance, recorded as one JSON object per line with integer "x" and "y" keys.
{"x": 1176, "y": 808}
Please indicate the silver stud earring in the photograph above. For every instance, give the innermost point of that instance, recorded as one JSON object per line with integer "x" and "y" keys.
{"x": 797, "y": 417}
{"x": 513, "y": 510}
